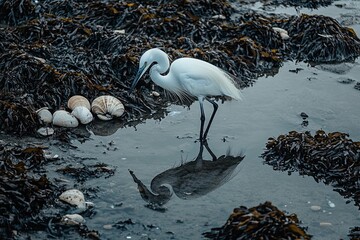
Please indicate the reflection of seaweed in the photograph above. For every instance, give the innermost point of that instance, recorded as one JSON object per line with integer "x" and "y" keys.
{"x": 332, "y": 157}
{"x": 190, "y": 180}
{"x": 85, "y": 172}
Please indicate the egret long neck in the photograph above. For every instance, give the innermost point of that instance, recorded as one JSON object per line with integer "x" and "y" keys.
{"x": 167, "y": 81}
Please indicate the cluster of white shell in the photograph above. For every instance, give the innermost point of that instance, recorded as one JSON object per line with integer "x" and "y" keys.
{"x": 104, "y": 107}
{"x": 75, "y": 198}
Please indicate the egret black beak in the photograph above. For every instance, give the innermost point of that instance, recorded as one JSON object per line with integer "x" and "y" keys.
{"x": 138, "y": 76}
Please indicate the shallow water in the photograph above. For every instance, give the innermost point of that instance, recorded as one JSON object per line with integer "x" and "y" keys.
{"x": 271, "y": 107}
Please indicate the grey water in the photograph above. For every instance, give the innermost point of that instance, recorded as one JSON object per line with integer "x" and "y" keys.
{"x": 272, "y": 106}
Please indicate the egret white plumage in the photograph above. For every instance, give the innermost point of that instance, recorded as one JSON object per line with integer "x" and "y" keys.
{"x": 188, "y": 77}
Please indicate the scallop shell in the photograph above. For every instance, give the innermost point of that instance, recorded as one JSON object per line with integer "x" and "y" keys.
{"x": 76, "y": 198}
{"x": 63, "y": 118}
{"x": 78, "y": 101}
{"x": 72, "y": 219}
{"x": 107, "y": 107}
{"x": 44, "y": 115}
{"x": 83, "y": 114}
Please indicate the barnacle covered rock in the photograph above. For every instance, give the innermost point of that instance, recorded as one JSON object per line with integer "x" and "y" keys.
{"x": 329, "y": 157}
{"x": 264, "y": 221}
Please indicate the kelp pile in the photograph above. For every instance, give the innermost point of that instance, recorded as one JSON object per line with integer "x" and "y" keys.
{"x": 29, "y": 199}
{"x": 85, "y": 172}
{"x": 318, "y": 39}
{"x": 51, "y": 50}
{"x": 23, "y": 194}
{"x": 329, "y": 157}
{"x": 264, "y": 221}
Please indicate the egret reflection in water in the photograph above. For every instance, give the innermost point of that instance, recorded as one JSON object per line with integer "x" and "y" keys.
{"x": 190, "y": 180}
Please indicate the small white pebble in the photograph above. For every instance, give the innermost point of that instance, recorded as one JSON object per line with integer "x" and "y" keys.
{"x": 155, "y": 94}
{"x": 107, "y": 226}
{"x": 325, "y": 224}
{"x": 331, "y": 204}
{"x": 119, "y": 31}
{"x": 315, "y": 208}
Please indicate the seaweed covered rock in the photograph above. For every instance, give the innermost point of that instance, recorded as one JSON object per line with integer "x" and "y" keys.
{"x": 329, "y": 157}
{"x": 23, "y": 194}
{"x": 264, "y": 221}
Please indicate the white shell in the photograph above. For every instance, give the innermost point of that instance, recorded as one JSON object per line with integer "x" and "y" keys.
{"x": 155, "y": 94}
{"x": 107, "y": 107}
{"x": 78, "y": 101}
{"x": 45, "y": 115}
{"x": 76, "y": 198}
{"x": 83, "y": 114}
{"x": 72, "y": 219}
{"x": 45, "y": 131}
{"x": 283, "y": 33}
{"x": 63, "y": 118}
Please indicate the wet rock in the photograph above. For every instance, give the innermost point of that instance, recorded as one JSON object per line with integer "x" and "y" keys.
{"x": 345, "y": 80}
{"x": 357, "y": 86}
{"x": 303, "y": 115}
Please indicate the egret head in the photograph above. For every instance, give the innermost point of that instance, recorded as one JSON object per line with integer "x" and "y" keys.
{"x": 150, "y": 57}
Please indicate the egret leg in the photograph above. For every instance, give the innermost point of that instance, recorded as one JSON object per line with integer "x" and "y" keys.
{"x": 215, "y": 105}
{"x": 202, "y": 119}
{"x": 209, "y": 150}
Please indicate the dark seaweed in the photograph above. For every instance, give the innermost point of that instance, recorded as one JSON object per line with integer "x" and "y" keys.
{"x": 52, "y": 49}
{"x": 23, "y": 193}
{"x": 329, "y": 157}
{"x": 264, "y": 221}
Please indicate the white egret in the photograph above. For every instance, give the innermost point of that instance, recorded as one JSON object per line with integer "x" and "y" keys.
{"x": 188, "y": 77}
